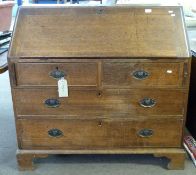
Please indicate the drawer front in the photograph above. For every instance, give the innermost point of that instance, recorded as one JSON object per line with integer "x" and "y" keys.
{"x": 98, "y": 134}
{"x": 131, "y": 103}
{"x": 125, "y": 75}
{"x": 77, "y": 74}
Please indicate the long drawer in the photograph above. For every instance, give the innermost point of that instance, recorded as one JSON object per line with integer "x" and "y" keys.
{"x": 98, "y": 134}
{"x": 132, "y": 102}
{"x": 129, "y": 75}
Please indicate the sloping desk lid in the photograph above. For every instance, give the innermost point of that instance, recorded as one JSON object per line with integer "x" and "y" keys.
{"x": 118, "y": 31}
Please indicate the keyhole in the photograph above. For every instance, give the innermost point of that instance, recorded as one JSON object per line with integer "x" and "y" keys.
{"x": 99, "y": 123}
{"x": 99, "y": 93}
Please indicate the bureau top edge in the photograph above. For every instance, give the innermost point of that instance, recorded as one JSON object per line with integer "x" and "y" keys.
{"x": 42, "y": 58}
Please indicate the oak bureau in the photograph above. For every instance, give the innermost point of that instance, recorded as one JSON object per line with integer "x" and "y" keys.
{"x": 99, "y": 80}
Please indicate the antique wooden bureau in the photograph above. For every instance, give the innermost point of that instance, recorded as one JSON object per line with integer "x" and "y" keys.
{"x": 127, "y": 71}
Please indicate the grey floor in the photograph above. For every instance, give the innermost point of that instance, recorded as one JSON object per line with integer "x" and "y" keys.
{"x": 77, "y": 164}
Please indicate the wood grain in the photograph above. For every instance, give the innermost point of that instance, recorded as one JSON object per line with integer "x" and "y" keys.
{"x": 104, "y": 32}
{"x": 105, "y": 103}
{"x": 170, "y": 153}
{"x": 77, "y": 74}
{"x": 120, "y": 75}
{"x": 176, "y": 160}
{"x": 25, "y": 161}
{"x": 99, "y": 49}
{"x": 99, "y": 133}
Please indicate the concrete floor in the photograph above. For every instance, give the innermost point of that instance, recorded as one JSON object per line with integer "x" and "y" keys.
{"x": 77, "y": 164}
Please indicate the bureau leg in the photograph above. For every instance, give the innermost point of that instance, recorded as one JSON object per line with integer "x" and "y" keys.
{"x": 176, "y": 160}
{"x": 25, "y": 161}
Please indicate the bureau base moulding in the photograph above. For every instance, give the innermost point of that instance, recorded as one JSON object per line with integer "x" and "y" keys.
{"x": 176, "y": 156}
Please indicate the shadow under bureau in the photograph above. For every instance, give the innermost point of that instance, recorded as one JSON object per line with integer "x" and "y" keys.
{"x": 99, "y": 80}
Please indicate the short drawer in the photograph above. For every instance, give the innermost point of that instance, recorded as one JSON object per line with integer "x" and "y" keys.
{"x": 38, "y": 74}
{"x": 98, "y": 134}
{"x": 126, "y": 74}
{"x": 112, "y": 102}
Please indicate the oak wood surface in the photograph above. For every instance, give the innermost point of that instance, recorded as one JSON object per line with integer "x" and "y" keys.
{"x": 160, "y": 74}
{"x": 75, "y": 73}
{"x": 99, "y": 134}
{"x": 101, "y": 103}
{"x": 176, "y": 156}
{"x": 177, "y": 160}
{"x": 114, "y": 75}
{"x": 26, "y": 161}
{"x": 99, "y": 49}
{"x": 104, "y": 31}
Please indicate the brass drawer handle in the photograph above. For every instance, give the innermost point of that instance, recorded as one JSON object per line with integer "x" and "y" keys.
{"x": 52, "y": 103}
{"x": 55, "y": 132}
{"x": 140, "y": 74}
{"x": 147, "y": 102}
{"x": 145, "y": 132}
{"x": 57, "y": 74}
